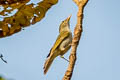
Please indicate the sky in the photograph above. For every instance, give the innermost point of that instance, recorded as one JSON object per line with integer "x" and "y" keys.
{"x": 98, "y": 53}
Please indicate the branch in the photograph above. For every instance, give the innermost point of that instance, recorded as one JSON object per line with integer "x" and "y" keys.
{"x": 1, "y": 56}
{"x": 75, "y": 42}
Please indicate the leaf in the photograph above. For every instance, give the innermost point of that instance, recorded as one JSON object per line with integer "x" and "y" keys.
{"x": 25, "y": 15}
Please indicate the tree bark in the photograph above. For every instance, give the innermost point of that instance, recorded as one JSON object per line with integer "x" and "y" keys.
{"x": 76, "y": 38}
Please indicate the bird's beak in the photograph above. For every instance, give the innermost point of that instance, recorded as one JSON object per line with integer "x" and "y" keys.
{"x": 68, "y": 19}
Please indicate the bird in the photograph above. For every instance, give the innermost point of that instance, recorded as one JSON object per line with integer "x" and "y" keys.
{"x": 61, "y": 45}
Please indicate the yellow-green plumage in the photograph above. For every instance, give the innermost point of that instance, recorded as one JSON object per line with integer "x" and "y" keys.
{"x": 62, "y": 44}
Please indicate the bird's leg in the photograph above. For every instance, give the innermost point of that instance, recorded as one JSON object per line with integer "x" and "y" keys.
{"x": 64, "y": 58}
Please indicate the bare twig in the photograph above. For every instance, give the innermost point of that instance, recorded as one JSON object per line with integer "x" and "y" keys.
{"x": 76, "y": 38}
{"x": 1, "y": 56}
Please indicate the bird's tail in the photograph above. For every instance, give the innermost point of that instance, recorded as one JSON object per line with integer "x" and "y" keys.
{"x": 47, "y": 64}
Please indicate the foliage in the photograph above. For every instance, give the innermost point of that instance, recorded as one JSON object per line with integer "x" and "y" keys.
{"x": 11, "y": 1}
{"x": 1, "y": 78}
{"x": 26, "y": 14}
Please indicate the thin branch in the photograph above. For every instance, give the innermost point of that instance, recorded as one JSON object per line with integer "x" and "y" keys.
{"x": 1, "y": 56}
{"x": 76, "y": 38}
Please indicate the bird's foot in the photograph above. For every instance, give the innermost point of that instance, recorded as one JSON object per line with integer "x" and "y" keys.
{"x": 70, "y": 44}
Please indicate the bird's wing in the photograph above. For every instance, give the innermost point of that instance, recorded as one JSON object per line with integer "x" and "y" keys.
{"x": 60, "y": 38}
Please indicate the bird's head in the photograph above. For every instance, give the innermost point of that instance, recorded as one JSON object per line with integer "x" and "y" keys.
{"x": 65, "y": 26}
